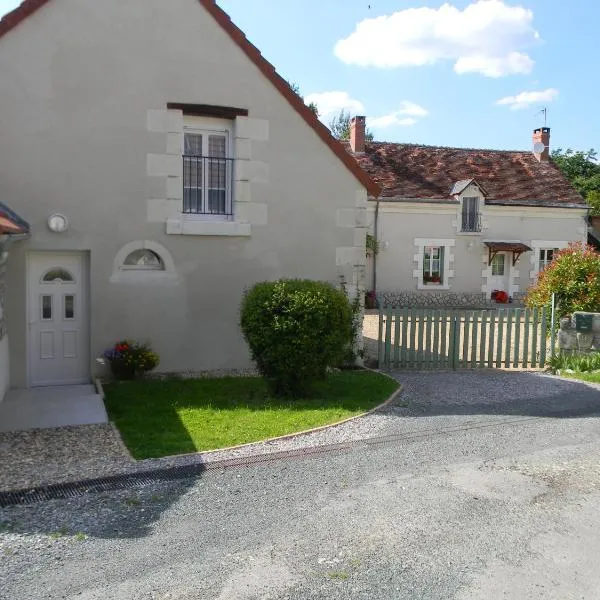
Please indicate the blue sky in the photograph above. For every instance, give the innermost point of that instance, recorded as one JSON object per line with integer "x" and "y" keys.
{"x": 428, "y": 72}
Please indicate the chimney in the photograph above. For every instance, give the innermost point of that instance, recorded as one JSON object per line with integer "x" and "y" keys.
{"x": 357, "y": 134}
{"x": 541, "y": 143}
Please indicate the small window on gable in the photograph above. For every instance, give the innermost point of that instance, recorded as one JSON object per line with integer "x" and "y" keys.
{"x": 57, "y": 275}
{"x": 143, "y": 260}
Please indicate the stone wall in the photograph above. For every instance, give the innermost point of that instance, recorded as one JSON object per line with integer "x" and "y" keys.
{"x": 571, "y": 340}
{"x": 441, "y": 299}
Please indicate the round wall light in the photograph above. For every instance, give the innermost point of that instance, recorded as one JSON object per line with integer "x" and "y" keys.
{"x": 58, "y": 223}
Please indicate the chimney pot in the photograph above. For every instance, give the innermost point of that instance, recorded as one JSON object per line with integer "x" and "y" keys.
{"x": 541, "y": 135}
{"x": 357, "y": 134}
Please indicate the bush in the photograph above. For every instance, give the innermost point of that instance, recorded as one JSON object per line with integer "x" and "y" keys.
{"x": 574, "y": 276}
{"x": 296, "y": 329}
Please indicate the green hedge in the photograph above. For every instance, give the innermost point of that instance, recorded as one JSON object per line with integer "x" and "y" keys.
{"x": 296, "y": 329}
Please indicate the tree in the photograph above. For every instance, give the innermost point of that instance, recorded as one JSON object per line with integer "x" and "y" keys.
{"x": 296, "y": 89}
{"x": 340, "y": 127}
{"x": 583, "y": 171}
{"x": 574, "y": 276}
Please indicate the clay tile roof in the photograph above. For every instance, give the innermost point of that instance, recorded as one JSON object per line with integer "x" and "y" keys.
{"x": 27, "y": 7}
{"x": 10, "y": 222}
{"x": 408, "y": 171}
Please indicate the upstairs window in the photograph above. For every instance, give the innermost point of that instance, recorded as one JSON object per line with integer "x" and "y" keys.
{"x": 433, "y": 265}
{"x": 471, "y": 219}
{"x": 207, "y": 174}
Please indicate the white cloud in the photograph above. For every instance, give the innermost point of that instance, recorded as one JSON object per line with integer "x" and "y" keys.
{"x": 525, "y": 99}
{"x": 330, "y": 103}
{"x": 487, "y": 37}
{"x": 404, "y": 116}
{"x": 389, "y": 121}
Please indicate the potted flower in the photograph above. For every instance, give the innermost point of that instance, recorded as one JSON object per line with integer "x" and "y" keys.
{"x": 128, "y": 359}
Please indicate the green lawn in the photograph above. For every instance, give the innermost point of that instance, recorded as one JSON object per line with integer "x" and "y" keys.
{"x": 591, "y": 377}
{"x": 161, "y": 418}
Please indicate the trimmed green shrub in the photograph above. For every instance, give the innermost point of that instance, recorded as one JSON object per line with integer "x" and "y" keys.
{"x": 296, "y": 329}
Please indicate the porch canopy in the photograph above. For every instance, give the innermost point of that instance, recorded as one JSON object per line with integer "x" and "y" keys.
{"x": 517, "y": 248}
{"x": 11, "y": 223}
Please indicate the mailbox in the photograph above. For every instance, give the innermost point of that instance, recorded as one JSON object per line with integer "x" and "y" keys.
{"x": 584, "y": 322}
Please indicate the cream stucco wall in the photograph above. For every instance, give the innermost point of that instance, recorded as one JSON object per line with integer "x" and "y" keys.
{"x": 84, "y": 132}
{"x": 402, "y": 224}
{"x": 4, "y": 367}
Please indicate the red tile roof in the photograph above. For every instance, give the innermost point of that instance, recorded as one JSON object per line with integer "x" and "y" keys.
{"x": 27, "y": 7}
{"x": 407, "y": 171}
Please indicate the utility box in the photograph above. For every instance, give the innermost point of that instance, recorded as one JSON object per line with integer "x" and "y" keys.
{"x": 584, "y": 322}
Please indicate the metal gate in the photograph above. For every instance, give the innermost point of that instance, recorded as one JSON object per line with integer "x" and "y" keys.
{"x": 456, "y": 339}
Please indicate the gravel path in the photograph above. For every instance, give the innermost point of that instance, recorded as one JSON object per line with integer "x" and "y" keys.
{"x": 44, "y": 456}
{"x": 504, "y": 505}
{"x": 445, "y": 398}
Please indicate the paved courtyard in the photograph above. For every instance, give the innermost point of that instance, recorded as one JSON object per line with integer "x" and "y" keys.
{"x": 482, "y": 485}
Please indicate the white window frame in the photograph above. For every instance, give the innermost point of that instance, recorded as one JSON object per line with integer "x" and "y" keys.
{"x": 463, "y": 205}
{"x": 447, "y": 257}
{"x": 543, "y": 263}
{"x": 498, "y": 256}
{"x": 206, "y": 126}
{"x": 431, "y": 250}
{"x": 537, "y": 246}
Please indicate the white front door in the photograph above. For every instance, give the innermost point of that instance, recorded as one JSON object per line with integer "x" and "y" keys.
{"x": 500, "y": 272}
{"x": 58, "y": 319}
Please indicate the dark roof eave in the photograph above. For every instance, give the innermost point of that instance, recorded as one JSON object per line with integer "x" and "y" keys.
{"x": 532, "y": 203}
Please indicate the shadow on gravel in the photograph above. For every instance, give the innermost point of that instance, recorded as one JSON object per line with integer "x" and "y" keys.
{"x": 481, "y": 392}
{"x": 114, "y": 514}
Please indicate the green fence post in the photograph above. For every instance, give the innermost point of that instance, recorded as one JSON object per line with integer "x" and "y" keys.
{"x": 380, "y": 339}
{"x": 553, "y": 327}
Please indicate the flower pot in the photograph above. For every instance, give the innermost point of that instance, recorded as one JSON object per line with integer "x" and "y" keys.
{"x": 121, "y": 371}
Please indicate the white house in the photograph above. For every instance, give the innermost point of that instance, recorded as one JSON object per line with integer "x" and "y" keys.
{"x": 455, "y": 225}
{"x": 163, "y": 166}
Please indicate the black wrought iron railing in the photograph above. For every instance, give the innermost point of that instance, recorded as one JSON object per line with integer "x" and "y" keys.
{"x": 471, "y": 222}
{"x": 207, "y": 185}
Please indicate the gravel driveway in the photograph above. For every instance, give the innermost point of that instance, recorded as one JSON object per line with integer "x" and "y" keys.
{"x": 487, "y": 487}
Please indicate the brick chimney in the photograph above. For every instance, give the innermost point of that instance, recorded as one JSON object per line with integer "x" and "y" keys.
{"x": 357, "y": 134}
{"x": 541, "y": 136}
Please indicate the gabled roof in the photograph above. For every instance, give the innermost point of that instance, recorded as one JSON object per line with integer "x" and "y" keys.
{"x": 460, "y": 186}
{"x": 27, "y": 7}
{"x": 11, "y": 223}
{"x": 413, "y": 172}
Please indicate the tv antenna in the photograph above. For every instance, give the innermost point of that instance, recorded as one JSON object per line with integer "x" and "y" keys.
{"x": 544, "y": 111}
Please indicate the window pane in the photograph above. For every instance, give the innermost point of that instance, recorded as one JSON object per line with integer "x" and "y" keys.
{"x": 216, "y": 202}
{"x": 193, "y": 144}
{"x": 143, "y": 258}
{"x": 57, "y": 274}
{"x": 498, "y": 265}
{"x": 216, "y": 146}
{"x": 46, "y": 308}
{"x": 69, "y": 307}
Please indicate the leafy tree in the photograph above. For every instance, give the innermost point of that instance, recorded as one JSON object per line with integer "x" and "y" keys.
{"x": 296, "y": 89}
{"x": 583, "y": 171}
{"x": 574, "y": 276}
{"x": 340, "y": 127}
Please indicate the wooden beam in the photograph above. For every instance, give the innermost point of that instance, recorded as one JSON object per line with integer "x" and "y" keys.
{"x": 208, "y": 110}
